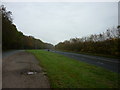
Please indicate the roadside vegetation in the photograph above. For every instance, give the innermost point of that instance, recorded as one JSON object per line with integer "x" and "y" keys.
{"x": 106, "y": 43}
{"x": 93, "y": 54}
{"x": 64, "y": 72}
{"x": 14, "y": 39}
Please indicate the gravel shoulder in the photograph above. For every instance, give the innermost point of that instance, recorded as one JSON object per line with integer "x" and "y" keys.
{"x": 15, "y": 68}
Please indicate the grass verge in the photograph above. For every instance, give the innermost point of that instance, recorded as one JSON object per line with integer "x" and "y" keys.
{"x": 64, "y": 72}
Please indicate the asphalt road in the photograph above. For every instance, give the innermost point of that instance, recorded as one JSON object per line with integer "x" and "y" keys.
{"x": 11, "y": 52}
{"x": 108, "y": 63}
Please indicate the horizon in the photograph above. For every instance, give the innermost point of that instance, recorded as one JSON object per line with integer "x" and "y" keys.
{"x": 64, "y": 20}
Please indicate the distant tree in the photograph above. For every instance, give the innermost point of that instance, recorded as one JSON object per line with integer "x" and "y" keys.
{"x": 14, "y": 39}
{"x": 104, "y": 43}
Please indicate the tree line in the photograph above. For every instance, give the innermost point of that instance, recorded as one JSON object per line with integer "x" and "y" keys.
{"x": 14, "y": 39}
{"x": 106, "y": 43}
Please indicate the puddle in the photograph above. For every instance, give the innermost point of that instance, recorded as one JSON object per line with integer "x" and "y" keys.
{"x": 29, "y": 72}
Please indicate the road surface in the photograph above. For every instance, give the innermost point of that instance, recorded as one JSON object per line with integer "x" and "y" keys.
{"x": 11, "y": 52}
{"x": 21, "y": 70}
{"x": 108, "y": 63}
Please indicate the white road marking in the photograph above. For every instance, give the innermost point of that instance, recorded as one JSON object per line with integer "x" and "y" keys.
{"x": 100, "y": 62}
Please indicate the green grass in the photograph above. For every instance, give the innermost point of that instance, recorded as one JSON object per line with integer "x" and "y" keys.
{"x": 64, "y": 72}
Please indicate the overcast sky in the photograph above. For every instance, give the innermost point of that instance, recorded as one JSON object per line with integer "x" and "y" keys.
{"x": 56, "y": 22}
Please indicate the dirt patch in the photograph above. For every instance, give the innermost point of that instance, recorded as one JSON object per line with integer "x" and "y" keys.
{"x": 22, "y": 70}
